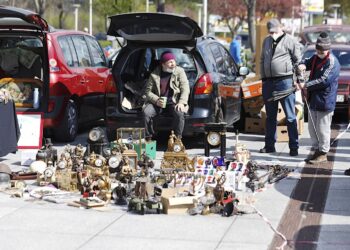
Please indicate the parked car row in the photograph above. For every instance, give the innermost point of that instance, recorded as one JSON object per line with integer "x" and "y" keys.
{"x": 77, "y": 83}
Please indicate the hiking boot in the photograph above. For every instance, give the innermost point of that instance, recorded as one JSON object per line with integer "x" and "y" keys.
{"x": 312, "y": 157}
{"x": 321, "y": 158}
{"x": 293, "y": 152}
{"x": 267, "y": 150}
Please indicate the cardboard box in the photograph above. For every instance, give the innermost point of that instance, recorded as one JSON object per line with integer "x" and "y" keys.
{"x": 254, "y": 125}
{"x": 251, "y": 87}
{"x": 252, "y": 106}
{"x": 176, "y": 205}
{"x": 281, "y": 117}
{"x": 149, "y": 147}
{"x": 282, "y": 131}
{"x": 229, "y": 91}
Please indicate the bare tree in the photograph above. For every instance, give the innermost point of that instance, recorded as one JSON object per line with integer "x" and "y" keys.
{"x": 40, "y": 6}
{"x": 251, "y": 8}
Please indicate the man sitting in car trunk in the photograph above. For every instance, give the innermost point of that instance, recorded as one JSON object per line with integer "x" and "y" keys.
{"x": 167, "y": 90}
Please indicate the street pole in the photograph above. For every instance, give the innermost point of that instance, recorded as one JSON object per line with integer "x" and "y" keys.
{"x": 90, "y": 19}
{"x": 205, "y": 16}
{"x": 76, "y": 6}
{"x": 200, "y": 6}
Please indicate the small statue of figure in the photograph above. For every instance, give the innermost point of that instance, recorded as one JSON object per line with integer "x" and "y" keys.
{"x": 219, "y": 189}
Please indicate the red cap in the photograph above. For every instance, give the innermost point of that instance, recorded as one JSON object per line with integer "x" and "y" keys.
{"x": 166, "y": 56}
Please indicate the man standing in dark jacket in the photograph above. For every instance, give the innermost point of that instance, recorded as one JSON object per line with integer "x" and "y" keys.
{"x": 280, "y": 57}
{"x": 322, "y": 94}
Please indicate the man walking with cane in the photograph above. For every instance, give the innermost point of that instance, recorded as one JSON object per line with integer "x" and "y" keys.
{"x": 322, "y": 94}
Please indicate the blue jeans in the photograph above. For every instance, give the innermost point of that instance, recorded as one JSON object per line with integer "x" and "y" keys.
{"x": 288, "y": 105}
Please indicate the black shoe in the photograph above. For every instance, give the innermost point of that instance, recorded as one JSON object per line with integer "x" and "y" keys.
{"x": 267, "y": 150}
{"x": 347, "y": 172}
{"x": 293, "y": 152}
{"x": 312, "y": 157}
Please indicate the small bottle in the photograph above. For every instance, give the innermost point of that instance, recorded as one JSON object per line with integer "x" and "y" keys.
{"x": 36, "y": 98}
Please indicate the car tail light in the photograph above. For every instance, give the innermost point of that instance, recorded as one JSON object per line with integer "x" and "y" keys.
{"x": 204, "y": 85}
{"x": 51, "y": 106}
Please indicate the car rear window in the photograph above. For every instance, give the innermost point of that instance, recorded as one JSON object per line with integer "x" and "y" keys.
{"x": 335, "y": 36}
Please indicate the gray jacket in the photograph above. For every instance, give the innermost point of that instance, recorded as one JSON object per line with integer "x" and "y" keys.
{"x": 178, "y": 83}
{"x": 283, "y": 61}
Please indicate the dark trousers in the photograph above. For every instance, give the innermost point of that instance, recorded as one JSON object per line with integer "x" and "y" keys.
{"x": 288, "y": 105}
{"x": 150, "y": 111}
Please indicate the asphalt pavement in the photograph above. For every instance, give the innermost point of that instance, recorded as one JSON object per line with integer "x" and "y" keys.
{"x": 28, "y": 223}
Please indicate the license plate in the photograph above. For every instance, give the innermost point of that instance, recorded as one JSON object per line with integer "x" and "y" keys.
{"x": 340, "y": 98}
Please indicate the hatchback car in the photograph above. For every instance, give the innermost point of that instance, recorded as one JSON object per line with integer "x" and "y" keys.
{"x": 67, "y": 67}
{"x": 342, "y": 52}
{"x": 213, "y": 75}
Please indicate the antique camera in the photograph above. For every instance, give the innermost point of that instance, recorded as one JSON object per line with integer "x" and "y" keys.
{"x": 47, "y": 152}
{"x": 97, "y": 142}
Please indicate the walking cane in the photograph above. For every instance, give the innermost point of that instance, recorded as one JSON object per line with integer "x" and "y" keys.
{"x": 308, "y": 109}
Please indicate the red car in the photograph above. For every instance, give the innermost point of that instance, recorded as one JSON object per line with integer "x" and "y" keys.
{"x": 68, "y": 68}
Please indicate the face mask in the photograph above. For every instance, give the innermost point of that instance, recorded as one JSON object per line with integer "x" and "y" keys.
{"x": 321, "y": 56}
{"x": 275, "y": 36}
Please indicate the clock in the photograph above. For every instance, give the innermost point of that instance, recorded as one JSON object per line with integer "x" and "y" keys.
{"x": 214, "y": 138}
{"x": 62, "y": 164}
{"x": 114, "y": 161}
{"x": 48, "y": 173}
{"x": 215, "y": 135}
{"x": 98, "y": 162}
{"x": 177, "y": 147}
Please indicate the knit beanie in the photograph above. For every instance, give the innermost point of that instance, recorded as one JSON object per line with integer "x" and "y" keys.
{"x": 323, "y": 42}
{"x": 166, "y": 56}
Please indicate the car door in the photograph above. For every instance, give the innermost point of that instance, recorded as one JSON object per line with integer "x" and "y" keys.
{"x": 89, "y": 108}
{"x": 98, "y": 73}
{"x": 228, "y": 84}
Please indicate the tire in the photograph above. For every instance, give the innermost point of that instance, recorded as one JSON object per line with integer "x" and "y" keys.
{"x": 68, "y": 129}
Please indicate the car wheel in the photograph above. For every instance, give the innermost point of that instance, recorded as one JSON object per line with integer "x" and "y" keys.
{"x": 68, "y": 129}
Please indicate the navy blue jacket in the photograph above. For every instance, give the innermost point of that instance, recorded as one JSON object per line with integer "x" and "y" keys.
{"x": 323, "y": 82}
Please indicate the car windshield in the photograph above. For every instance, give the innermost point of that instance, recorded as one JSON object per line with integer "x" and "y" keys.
{"x": 336, "y": 36}
{"x": 343, "y": 56}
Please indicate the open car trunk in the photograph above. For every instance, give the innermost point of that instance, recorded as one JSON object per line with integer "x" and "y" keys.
{"x": 132, "y": 72}
{"x": 22, "y": 53}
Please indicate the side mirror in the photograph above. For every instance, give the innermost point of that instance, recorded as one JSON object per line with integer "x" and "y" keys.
{"x": 243, "y": 71}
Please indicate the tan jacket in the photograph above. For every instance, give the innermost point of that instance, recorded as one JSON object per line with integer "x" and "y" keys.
{"x": 178, "y": 83}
